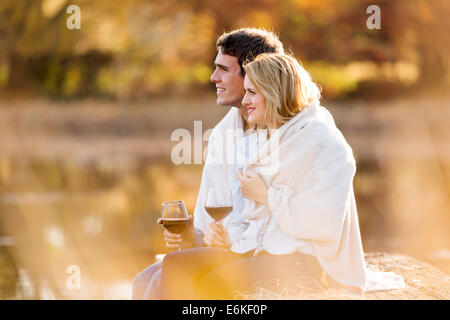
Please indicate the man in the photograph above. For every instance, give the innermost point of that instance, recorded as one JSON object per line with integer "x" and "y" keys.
{"x": 234, "y": 48}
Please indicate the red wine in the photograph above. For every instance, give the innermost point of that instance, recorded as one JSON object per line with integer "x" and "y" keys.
{"x": 174, "y": 225}
{"x": 219, "y": 213}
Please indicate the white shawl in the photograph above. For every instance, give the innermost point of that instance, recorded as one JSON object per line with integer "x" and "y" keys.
{"x": 309, "y": 170}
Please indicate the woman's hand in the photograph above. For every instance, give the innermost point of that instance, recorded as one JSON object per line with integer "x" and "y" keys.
{"x": 217, "y": 236}
{"x": 253, "y": 187}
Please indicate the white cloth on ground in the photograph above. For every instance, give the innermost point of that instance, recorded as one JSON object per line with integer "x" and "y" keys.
{"x": 383, "y": 281}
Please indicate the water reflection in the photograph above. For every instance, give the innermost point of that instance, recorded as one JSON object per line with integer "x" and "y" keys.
{"x": 56, "y": 215}
{"x": 32, "y": 197}
{"x": 55, "y": 236}
{"x": 92, "y": 225}
{"x": 25, "y": 287}
{"x": 118, "y": 291}
{"x": 9, "y": 276}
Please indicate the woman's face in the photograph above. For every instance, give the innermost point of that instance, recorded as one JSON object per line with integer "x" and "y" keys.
{"x": 255, "y": 103}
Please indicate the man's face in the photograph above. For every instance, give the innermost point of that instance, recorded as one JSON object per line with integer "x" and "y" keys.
{"x": 228, "y": 79}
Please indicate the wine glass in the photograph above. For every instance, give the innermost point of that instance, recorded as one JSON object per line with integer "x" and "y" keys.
{"x": 219, "y": 203}
{"x": 174, "y": 217}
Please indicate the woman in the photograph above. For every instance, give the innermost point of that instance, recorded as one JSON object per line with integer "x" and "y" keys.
{"x": 307, "y": 204}
{"x": 300, "y": 208}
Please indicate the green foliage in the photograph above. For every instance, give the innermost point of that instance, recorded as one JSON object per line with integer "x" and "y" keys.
{"x": 3, "y": 74}
{"x": 333, "y": 79}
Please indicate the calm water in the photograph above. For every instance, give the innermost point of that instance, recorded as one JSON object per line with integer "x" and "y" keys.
{"x": 83, "y": 231}
{"x": 98, "y": 218}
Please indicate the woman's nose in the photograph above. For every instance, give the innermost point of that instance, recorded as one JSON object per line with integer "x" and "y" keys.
{"x": 245, "y": 100}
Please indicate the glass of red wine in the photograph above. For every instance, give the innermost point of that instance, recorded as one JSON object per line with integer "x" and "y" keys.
{"x": 174, "y": 217}
{"x": 219, "y": 203}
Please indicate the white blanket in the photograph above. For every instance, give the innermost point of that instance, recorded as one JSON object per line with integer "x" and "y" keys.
{"x": 311, "y": 195}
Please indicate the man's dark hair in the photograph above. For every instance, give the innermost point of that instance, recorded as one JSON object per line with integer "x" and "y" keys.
{"x": 247, "y": 43}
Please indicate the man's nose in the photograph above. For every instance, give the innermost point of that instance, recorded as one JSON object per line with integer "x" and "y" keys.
{"x": 214, "y": 77}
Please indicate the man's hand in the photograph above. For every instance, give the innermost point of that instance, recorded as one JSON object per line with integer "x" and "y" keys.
{"x": 217, "y": 236}
{"x": 184, "y": 240}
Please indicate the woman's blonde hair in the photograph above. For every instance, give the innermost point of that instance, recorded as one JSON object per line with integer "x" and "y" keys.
{"x": 285, "y": 84}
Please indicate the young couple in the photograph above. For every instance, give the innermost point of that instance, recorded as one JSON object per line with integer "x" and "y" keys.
{"x": 296, "y": 223}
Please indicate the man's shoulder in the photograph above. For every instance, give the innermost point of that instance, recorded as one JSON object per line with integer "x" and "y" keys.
{"x": 229, "y": 121}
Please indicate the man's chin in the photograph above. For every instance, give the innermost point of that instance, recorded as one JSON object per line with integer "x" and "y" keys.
{"x": 223, "y": 104}
{"x": 226, "y": 103}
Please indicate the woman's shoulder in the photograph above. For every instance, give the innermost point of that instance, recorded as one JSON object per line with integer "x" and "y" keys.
{"x": 314, "y": 128}
{"x": 321, "y": 131}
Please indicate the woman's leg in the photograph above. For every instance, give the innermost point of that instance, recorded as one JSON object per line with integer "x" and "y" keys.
{"x": 237, "y": 277}
{"x": 181, "y": 269}
{"x": 142, "y": 280}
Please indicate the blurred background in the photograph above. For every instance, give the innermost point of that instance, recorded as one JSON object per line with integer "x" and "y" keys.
{"x": 86, "y": 117}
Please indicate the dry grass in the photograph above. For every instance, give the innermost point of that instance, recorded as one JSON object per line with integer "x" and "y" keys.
{"x": 423, "y": 282}
{"x": 292, "y": 290}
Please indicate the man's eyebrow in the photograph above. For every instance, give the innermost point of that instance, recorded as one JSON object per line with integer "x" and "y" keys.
{"x": 221, "y": 66}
